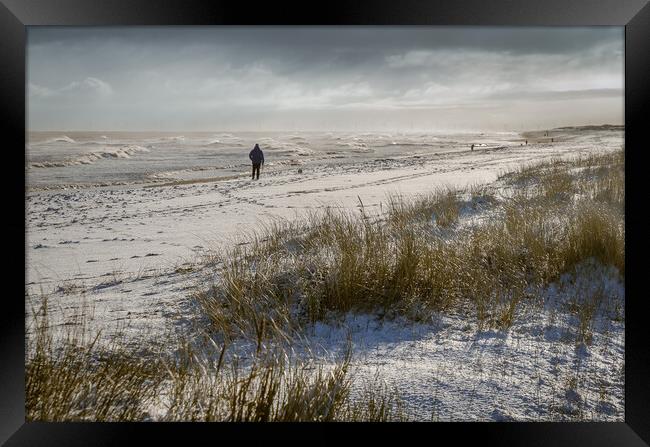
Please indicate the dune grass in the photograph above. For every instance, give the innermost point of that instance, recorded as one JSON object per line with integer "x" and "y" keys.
{"x": 559, "y": 214}
{"x": 273, "y": 388}
{"x": 71, "y": 377}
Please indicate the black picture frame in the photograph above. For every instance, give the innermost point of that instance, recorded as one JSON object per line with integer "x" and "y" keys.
{"x": 16, "y": 15}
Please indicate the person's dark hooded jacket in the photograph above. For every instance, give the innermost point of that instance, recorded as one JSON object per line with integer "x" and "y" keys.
{"x": 256, "y": 155}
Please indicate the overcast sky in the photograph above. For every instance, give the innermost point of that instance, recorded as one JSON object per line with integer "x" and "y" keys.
{"x": 323, "y": 78}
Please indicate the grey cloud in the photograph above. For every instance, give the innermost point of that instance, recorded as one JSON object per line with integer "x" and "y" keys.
{"x": 544, "y": 40}
{"x": 558, "y": 95}
{"x": 87, "y": 87}
{"x": 208, "y": 76}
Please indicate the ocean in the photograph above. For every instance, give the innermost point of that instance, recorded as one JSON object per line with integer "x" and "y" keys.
{"x": 86, "y": 159}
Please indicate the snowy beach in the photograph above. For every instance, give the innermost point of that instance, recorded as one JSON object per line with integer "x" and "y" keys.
{"x": 125, "y": 222}
{"x": 175, "y": 204}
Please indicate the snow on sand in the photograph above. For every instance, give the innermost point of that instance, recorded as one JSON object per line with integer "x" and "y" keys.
{"x": 133, "y": 253}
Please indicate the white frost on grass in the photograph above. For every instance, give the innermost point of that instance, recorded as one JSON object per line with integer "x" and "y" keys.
{"x": 447, "y": 369}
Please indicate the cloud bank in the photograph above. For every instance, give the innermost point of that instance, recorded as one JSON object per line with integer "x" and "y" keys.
{"x": 323, "y": 78}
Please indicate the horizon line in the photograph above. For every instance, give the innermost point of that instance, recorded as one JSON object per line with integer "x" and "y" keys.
{"x": 324, "y": 130}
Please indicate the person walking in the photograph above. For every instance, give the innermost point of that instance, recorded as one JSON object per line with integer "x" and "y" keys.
{"x": 257, "y": 157}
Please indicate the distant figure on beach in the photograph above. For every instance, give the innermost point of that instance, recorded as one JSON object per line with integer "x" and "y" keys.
{"x": 526, "y": 141}
{"x": 257, "y": 157}
{"x": 472, "y": 147}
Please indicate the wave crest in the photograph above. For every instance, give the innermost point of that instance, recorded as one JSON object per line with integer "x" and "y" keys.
{"x": 61, "y": 139}
{"x": 92, "y": 157}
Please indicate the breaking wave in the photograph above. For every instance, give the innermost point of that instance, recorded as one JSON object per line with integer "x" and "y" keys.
{"x": 61, "y": 139}
{"x": 355, "y": 146}
{"x": 175, "y": 139}
{"x": 219, "y": 143}
{"x": 285, "y": 147}
{"x": 90, "y": 158}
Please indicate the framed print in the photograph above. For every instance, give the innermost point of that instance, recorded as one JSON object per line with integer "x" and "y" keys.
{"x": 379, "y": 214}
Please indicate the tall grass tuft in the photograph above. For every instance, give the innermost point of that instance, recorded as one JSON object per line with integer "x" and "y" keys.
{"x": 76, "y": 380}
{"x": 72, "y": 378}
